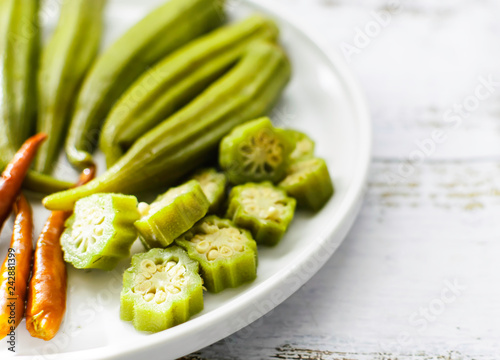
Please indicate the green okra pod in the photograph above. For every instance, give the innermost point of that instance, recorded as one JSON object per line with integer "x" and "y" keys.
{"x": 34, "y": 181}
{"x": 265, "y": 210}
{"x": 213, "y": 184}
{"x": 304, "y": 146}
{"x": 19, "y": 46}
{"x": 227, "y": 255}
{"x": 171, "y": 214}
{"x": 162, "y": 31}
{"x": 255, "y": 151}
{"x": 161, "y": 289}
{"x": 310, "y": 183}
{"x": 64, "y": 62}
{"x": 101, "y": 231}
{"x": 186, "y": 139}
{"x": 44, "y": 184}
{"x": 176, "y": 80}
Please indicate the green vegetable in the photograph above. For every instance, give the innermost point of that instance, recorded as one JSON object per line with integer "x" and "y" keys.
{"x": 101, "y": 231}
{"x": 213, "y": 184}
{"x": 34, "y": 181}
{"x": 44, "y": 184}
{"x": 255, "y": 152}
{"x": 187, "y": 139}
{"x": 176, "y": 80}
{"x": 19, "y": 46}
{"x": 161, "y": 289}
{"x": 171, "y": 214}
{"x": 263, "y": 209}
{"x": 309, "y": 182}
{"x": 227, "y": 255}
{"x": 167, "y": 28}
{"x": 304, "y": 146}
{"x": 65, "y": 60}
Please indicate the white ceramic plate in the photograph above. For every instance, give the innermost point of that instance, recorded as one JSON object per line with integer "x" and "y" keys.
{"x": 323, "y": 101}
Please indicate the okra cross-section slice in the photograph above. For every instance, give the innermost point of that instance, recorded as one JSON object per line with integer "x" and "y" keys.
{"x": 309, "y": 182}
{"x": 227, "y": 254}
{"x": 101, "y": 231}
{"x": 161, "y": 289}
{"x": 171, "y": 214}
{"x": 304, "y": 146}
{"x": 263, "y": 209}
{"x": 213, "y": 184}
{"x": 255, "y": 152}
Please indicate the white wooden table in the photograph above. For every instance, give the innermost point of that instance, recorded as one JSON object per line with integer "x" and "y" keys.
{"x": 419, "y": 274}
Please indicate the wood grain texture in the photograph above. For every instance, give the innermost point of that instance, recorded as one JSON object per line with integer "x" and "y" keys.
{"x": 418, "y": 276}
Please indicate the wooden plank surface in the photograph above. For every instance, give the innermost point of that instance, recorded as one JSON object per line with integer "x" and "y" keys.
{"x": 418, "y": 276}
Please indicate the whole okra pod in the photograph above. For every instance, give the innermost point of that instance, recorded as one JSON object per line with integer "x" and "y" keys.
{"x": 176, "y": 80}
{"x": 162, "y": 31}
{"x": 64, "y": 62}
{"x": 188, "y": 138}
{"x": 19, "y": 45}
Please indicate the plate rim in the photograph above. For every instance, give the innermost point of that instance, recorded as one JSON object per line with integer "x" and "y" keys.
{"x": 330, "y": 238}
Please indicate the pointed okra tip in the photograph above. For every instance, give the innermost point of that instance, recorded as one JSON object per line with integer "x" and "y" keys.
{"x": 63, "y": 200}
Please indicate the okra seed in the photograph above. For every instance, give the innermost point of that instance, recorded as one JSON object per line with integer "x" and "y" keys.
{"x": 203, "y": 247}
{"x": 212, "y": 229}
{"x": 149, "y": 296}
{"x": 148, "y": 266}
{"x": 238, "y": 247}
{"x": 173, "y": 289}
{"x": 212, "y": 255}
{"x": 137, "y": 290}
{"x": 143, "y": 208}
{"x": 143, "y": 286}
{"x": 226, "y": 251}
{"x": 160, "y": 297}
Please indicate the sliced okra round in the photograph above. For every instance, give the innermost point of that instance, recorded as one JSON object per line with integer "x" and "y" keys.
{"x": 255, "y": 152}
{"x": 227, "y": 254}
{"x": 263, "y": 209}
{"x": 304, "y": 146}
{"x": 101, "y": 231}
{"x": 161, "y": 289}
{"x": 309, "y": 182}
{"x": 171, "y": 214}
{"x": 213, "y": 184}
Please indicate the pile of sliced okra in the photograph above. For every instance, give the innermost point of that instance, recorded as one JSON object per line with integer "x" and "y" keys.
{"x": 194, "y": 235}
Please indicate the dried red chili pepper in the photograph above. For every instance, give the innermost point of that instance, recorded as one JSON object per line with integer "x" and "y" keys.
{"x": 14, "y": 173}
{"x": 47, "y": 290}
{"x": 15, "y": 270}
